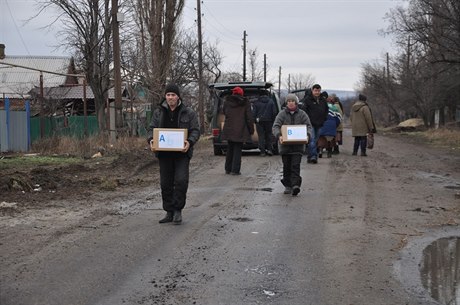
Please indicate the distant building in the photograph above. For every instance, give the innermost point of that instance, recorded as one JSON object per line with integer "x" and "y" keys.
{"x": 20, "y": 74}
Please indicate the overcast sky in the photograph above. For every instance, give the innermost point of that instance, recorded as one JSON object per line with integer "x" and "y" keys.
{"x": 327, "y": 39}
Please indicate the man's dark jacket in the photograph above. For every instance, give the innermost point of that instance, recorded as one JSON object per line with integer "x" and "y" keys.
{"x": 187, "y": 119}
{"x": 315, "y": 108}
{"x": 264, "y": 109}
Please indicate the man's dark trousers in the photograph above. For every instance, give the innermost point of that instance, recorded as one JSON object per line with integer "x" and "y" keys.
{"x": 264, "y": 131}
{"x": 174, "y": 177}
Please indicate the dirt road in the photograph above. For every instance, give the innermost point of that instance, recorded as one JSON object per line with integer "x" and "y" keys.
{"x": 341, "y": 241}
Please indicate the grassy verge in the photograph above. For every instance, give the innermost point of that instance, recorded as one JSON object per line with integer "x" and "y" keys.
{"x": 442, "y": 138}
{"x": 63, "y": 151}
{"x": 34, "y": 160}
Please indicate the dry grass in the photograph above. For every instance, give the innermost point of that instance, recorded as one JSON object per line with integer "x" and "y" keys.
{"x": 88, "y": 146}
{"x": 85, "y": 148}
{"x": 443, "y": 137}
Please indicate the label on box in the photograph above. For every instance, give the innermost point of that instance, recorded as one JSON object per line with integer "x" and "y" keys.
{"x": 294, "y": 134}
{"x": 169, "y": 139}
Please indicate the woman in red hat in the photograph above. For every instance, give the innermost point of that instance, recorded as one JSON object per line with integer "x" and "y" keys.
{"x": 238, "y": 128}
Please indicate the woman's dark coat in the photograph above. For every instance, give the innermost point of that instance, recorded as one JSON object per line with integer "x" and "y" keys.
{"x": 239, "y": 123}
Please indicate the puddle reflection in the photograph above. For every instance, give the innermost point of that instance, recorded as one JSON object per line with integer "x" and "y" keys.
{"x": 440, "y": 270}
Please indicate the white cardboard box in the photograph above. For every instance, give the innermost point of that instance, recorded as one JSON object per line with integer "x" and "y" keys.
{"x": 169, "y": 139}
{"x": 294, "y": 134}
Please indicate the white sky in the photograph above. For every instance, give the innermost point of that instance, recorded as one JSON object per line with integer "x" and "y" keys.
{"x": 329, "y": 39}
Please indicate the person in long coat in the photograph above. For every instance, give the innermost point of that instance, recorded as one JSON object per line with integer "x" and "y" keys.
{"x": 238, "y": 128}
{"x": 362, "y": 124}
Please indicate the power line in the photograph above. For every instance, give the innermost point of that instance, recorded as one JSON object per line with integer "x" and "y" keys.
{"x": 223, "y": 34}
{"x": 235, "y": 36}
{"x": 302, "y": 1}
{"x": 16, "y": 26}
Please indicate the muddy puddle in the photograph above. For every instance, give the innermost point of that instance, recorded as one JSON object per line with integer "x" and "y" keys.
{"x": 440, "y": 270}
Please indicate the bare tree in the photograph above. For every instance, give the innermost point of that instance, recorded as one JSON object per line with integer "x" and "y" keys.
{"x": 257, "y": 73}
{"x": 86, "y": 30}
{"x": 376, "y": 84}
{"x": 425, "y": 71}
{"x": 157, "y": 22}
{"x": 232, "y": 76}
{"x": 433, "y": 24}
{"x": 184, "y": 67}
{"x": 299, "y": 81}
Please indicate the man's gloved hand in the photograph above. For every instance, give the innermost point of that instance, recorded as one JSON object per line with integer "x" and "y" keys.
{"x": 149, "y": 139}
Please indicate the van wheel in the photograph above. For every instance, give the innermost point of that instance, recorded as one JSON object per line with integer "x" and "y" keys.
{"x": 218, "y": 151}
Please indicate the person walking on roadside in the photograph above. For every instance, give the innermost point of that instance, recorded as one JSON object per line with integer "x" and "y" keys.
{"x": 238, "y": 128}
{"x": 339, "y": 136}
{"x": 362, "y": 124}
{"x": 174, "y": 165}
{"x": 328, "y": 131}
{"x": 264, "y": 113}
{"x": 291, "y": 154}
{"x": 314, "y": 104}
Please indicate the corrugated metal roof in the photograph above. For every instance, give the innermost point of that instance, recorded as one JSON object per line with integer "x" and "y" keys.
{"x": 16, "y": 81}
{"x": 73, "y": 92}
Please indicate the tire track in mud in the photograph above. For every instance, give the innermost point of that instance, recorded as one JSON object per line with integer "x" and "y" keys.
{"x": 354, "y": 221}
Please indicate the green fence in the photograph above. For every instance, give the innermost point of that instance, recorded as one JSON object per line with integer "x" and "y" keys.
{"x": 73, "y": 126}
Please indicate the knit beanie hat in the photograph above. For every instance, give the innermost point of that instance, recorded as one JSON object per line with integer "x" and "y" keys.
{"x": 292, "y": 97}
{"x": 238, "y": 91}
{"x": 172, "y": 88}
{"x": 362, "y": 97}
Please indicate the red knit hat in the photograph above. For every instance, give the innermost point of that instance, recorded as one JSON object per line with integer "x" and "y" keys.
{"x": 237, "y": 91}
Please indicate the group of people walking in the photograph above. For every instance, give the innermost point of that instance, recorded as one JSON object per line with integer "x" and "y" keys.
{"x": 319, "y": 113}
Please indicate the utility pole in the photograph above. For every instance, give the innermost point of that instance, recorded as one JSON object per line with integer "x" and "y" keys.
{"x": 265, "y": 67}
{"x": 200, "y": 68}
{"x": 388, "y": 83}
{"x": 42, "y": 108}
{"x": 289, "y": 82}
{"x": 279, "y": 82}
{"x": 388, "y": 67}
{"x": 85, "y": 109}
{"x": 117, "y": 67}
{"x": 2, "y": 51}
{"x": 244, "y": 56}
{"x": 408, "y": 55}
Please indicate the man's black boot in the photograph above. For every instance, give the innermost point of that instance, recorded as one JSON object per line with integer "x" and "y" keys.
{"x": 167, "y": 218}
{"x": 177, "y": 217}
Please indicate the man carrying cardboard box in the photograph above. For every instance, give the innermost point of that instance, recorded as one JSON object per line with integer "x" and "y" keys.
{"x": 291, "y": 151}
{"x": 174, "y": 165}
